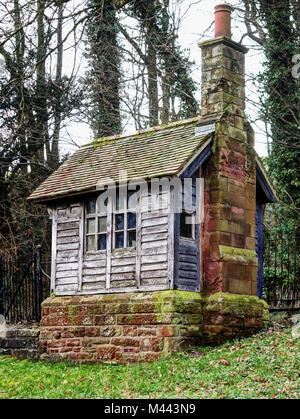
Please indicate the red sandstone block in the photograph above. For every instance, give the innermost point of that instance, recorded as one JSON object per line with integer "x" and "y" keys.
{"x": 58, "y": 311}
{"x": 212, "y": 225}
{"x": 250, "y": 243}
{"x": 225, "y": 212}
{"x": 136, "y": 319}
{"x": 238, "y": 241}
{"x": 109, "y": 331}
{"x": 238, "y": 286}
{"x": 225, "y": 239}
{"x": 107, "y": 353}
{"x": 236, "y": 199}
{"x": 84, "y": 320}
{"x": 165, "y": 331}
{"x": 237, "y": 188}
{"x": 105, "y": 319}
{"x": 237, "y": 214}
{"x": 57, "y": 343}
{"x": 234, "y": 270}
{"x": 214, "y": 252}
{"x": 67, "y": 332}
{"x": 250, "y": 191}
{"x": 90, "y": 331}
{"x": 66, "y": 349}
{"x": 250, "y": 273}
{"x": 147, "y": 330}
{"x": 152, "y": 344}
{"x": 81, "y": 331}
{"x": 213, "y": 272}
{"x": 72, "y": 342}
{"x": 45, "y": 311}
{"x": 56, "y": 321}
{"x": 232, "y": 172}
{"x": 130, "y": 331}
{"x": 250, "y": 216}
{"x": 236, "y": 146}
{"x": 121, "y": 341}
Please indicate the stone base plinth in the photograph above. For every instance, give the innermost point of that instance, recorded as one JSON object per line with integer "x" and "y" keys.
{"x": 139, "y": 327}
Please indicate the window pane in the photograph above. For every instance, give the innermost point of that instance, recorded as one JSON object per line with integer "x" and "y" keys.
{"x": 119, "y": 240}
{"x": 101, "y": 241}
{"x": 91, "y": 225}
{"x": 120, "y": 222}
{"x": 90, "y": 243}
{"x": 131, "y": 239}
{"x": 91, "y": 206}
{"x": 102, "y": 224}
{"x": 186, "y": 229}
{"x": 131, "y": 220}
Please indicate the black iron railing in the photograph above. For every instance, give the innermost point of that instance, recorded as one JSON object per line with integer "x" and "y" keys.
{"x": 281, "y": 280}
{"x": 24, "y": 284}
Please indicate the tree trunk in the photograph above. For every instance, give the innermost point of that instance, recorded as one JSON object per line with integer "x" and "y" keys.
{"x": 104, "y": 77}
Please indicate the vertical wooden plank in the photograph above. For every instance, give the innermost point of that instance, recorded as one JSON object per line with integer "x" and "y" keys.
{"x": 81, "y": 245}
{"x": 138, "y": 240}
{"x": 53, "y": 248}
{"x": 176, "y": 248}
{"x": 171, "y": 233}
{"x": 109, "y": 241}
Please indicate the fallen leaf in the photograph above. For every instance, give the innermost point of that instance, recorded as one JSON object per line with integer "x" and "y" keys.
{"x": 224, "y": 361}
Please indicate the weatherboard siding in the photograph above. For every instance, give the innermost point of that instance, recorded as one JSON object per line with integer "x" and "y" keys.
{"x": 67, "y": 248}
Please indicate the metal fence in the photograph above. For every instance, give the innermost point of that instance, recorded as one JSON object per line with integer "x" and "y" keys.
{"x": 24, "y": 284}
{"x": 281, "y": 281}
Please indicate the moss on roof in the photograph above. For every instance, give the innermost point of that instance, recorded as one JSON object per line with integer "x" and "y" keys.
{"x": 157, "y": 151}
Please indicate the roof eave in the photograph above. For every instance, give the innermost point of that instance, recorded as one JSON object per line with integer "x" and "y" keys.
{"x": 265, "y": 182}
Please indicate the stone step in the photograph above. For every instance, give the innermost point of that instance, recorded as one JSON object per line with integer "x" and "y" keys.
{"x": 21, "y": 342}
{"x": 23, "y": 333}
{"x": 17, "y": 343}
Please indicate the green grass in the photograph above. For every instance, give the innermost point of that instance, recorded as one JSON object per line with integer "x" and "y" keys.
{"x": 264, "y": 366}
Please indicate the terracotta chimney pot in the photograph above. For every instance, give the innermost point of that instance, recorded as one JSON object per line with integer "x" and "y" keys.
{"x": 223, "y": 20}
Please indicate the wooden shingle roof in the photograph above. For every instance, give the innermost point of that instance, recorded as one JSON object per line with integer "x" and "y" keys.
{"x": 154, "y": 152}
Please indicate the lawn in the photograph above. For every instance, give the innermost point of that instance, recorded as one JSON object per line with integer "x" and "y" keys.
{"x": 264, "y": 366}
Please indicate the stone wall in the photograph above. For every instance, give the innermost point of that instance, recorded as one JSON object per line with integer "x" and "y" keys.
{"x": 138, "y": 327}
{"x": 21, "y": 342}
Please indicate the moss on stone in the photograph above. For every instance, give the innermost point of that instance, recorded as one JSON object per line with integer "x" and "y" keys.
{"x": 179, "y": 301}
{"x": 234, "y": 304}
{"x": 266, "y": 313}
{"x": 236, "y": 255}
{"x": 73, "y": 310}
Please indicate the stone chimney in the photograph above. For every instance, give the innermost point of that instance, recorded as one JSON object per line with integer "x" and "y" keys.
{"x": 223, "y": 69}
{"x": 229, "y": 259}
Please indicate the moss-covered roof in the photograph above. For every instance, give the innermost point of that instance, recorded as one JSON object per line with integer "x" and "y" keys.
{"x": 158, "y": 151}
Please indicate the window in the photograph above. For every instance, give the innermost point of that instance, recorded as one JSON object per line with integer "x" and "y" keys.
{"x": 124, "y": 224}
{"x": 187, "y": 225}
{"x": 187, "y": 216}
{"x": 96, "y": 228}
{"x": 125, "y": 221}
